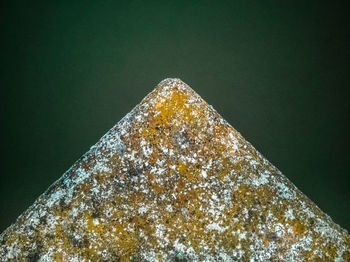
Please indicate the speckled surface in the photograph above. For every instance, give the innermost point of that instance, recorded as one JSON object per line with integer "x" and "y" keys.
{"x": 173, "y": 181}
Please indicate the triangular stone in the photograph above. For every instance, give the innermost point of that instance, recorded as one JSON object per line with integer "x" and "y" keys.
{"x": 173, "y": 181}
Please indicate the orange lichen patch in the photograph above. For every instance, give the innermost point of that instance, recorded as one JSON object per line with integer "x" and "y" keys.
{"x": 299, "y": 228}
{"x": 58, "y": 257}
{"x": 85, "y": 188}
{"x": 188, "y": 173}
{"x": 149, "y": 133}
{"x": 159, "y": 256}
{"x": 182, "y": 168}
{"x": 93, "y": 225}
{"x": 12, "y": 237}
{"x": 346, "y": 255}
{"x": 159, "y": 189}
{"x": 175, "y": 104}
{"x": 330, "y": 250}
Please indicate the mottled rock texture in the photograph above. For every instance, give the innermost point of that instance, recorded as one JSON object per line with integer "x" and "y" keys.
{"x": 173, "y": 181}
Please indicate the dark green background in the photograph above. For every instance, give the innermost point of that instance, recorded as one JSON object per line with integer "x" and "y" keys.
{"x": 276, "y": 70}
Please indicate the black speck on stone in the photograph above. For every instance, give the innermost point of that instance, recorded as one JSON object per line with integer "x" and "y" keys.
{"x": 75, "y": 242}
{"x": 132, "y": 171}
{"x": 85, "y": 242}
{"x": 250, "y": 215}
{"x": 272, "y": 236}
{"x": 33, "y": 256}
{"x": 180, "y": 259}
{"x": 95, "y": 214}
{"x": 3, "y": 240}
{"x": 42, "y": 220}
{"x": 262, "y": 217}
{"x": 257, "y": 202}
{"x": 62, "y": 203}
{"x": 49, "y": 236}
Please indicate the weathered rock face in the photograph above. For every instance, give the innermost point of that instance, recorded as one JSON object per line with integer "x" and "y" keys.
{"x": 173, "y": 181}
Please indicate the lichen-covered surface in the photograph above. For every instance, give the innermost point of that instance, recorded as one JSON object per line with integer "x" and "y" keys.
{"x": 173, "y": 181}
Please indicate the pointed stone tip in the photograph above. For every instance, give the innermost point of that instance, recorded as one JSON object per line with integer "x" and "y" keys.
{"x": 171, "y": 81}
{"x": 172, "y": 89}
{"x": 170, "y": 86}
{"x": 173, "y": 84}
